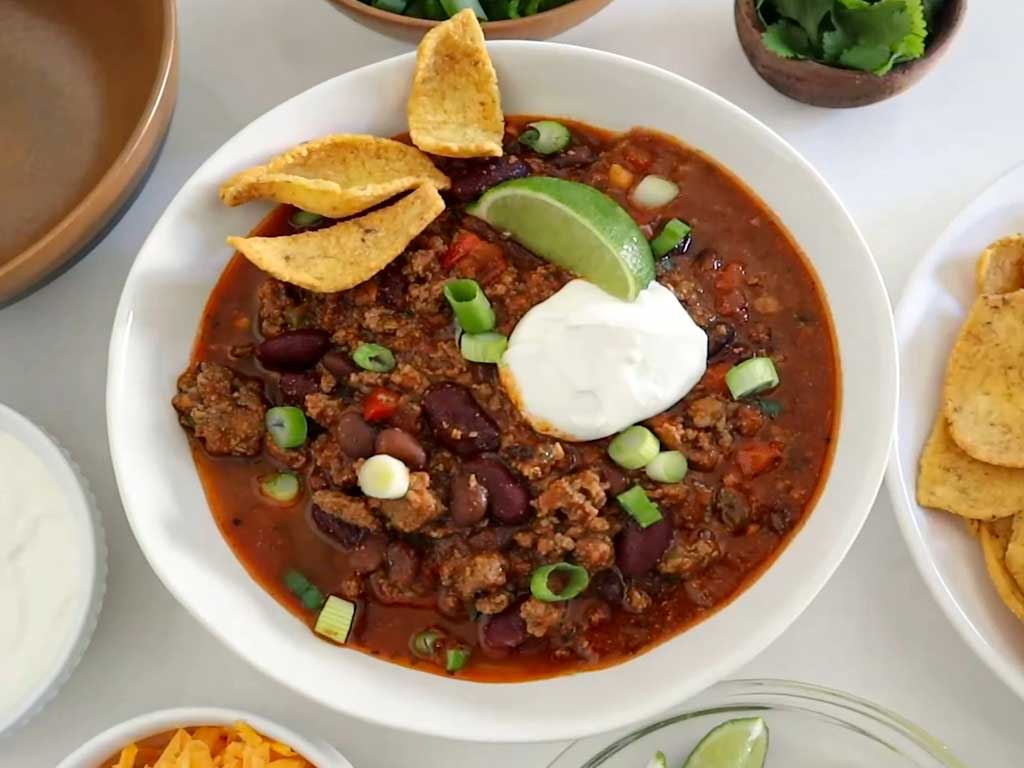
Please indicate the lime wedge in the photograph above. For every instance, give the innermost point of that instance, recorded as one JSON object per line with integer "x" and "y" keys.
{"x": 574, "y": 226}
{"x": 741, "y": 743}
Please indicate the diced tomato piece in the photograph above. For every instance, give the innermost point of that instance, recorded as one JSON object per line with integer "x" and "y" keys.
{"x": 485, "y": 263}
{"x": 756, "y": 457}
{"x": 380, "y": 404}
{"x": 714, "y": 377}
{"x": 464, "y": 242}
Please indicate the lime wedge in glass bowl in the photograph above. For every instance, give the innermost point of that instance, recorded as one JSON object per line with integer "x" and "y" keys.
{"x": 738, "y": 743}
{"x": 574, "y": 226}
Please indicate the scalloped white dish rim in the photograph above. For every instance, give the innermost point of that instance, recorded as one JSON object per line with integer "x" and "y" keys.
{"x": 184, "y": 255}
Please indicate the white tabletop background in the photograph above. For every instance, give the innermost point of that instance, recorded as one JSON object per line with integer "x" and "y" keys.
{"x": 903, "y": 168}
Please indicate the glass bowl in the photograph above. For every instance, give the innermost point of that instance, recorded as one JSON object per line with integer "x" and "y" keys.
{"x": 809, "y": 727}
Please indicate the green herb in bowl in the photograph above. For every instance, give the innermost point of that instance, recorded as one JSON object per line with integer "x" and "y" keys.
{"x": 485, "y": 10}
{"x": 867, "y": 35}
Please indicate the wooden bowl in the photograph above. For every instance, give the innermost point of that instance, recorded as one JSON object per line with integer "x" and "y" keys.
{"x": 824, "y": 86}
{"x": 85, "y": 100}
{"x": 537, "y": 27}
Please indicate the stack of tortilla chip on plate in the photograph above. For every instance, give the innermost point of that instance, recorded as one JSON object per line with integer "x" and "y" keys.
{"x": 973, "y": 462}
{"x": 454, "y": 110}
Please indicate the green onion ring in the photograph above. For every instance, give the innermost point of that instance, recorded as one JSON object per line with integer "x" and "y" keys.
{"x": 541, "y": 589}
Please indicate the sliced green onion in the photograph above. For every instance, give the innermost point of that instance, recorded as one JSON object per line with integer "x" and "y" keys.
{"x": 374, "y": 357}
{"x": 633, "y": 448}
{"x": 296, "y": 582}
{"x": 423, "y": 644}
{"x": 752, "y": 376}
{"x": 654, "y": 192}
{"x": 304, "y": 219}
{"x": 577, "y": 581}
{"x": 472, "y": 309}
{"x": 383, "y": 477}
{"x": 639, "y": 507}
{"x": 455, "y": 659}
{"x": 770, "y": 408}
{"x": 483, "y": 347}
{"x": 667, "y": 467}
{"x": 452, "y": 7}
{"x": 287, "y": 426}
{"x": 394, "y": 6}
{"x": 312, "y": 598}
{"x": 281, "y": 486}
{"x": 546, "y": 137}
{"x": 335, "y": 620}
{"x": 673, "y": 234}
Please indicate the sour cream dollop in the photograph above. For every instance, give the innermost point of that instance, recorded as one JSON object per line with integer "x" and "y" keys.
{"x": 583, "y": 365}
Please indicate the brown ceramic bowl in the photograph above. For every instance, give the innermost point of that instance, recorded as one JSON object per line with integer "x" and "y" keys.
{"x": 537, "y": 27}
{"x": 85, "y": 100}
{"x": 824, "y": 86}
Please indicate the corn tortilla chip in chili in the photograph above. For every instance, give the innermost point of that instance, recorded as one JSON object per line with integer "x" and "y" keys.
{"x": 349, "y": 253}
{"x": 984, "y": 391}
{"x": 336, "y": 176}
{"x": 951, "y": 480}
{"x": 1001, "y": 266}
{"x": 455, "y": 106}
{"x": 994, "y": 540}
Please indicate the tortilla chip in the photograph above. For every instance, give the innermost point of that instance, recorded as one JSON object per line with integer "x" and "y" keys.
{"x": 951, "y": 480}
{"x": 455, "y": 106}
{"x": 349, "y": 253}
{"x": 336, "y": 176}
{"x": 994, "y": 540}
{"x": 1001, "y": 266}
{"x": 1015, "y": 551}
{"x": 984, "y": 391}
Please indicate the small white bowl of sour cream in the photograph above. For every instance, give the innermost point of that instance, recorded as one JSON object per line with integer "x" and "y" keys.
{"x": 52, "y": 568}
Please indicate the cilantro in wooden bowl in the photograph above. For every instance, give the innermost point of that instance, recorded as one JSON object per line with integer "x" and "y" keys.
{"x": 845, "y": 53}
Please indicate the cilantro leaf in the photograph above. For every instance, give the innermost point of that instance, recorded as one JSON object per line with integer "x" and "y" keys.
{"x": 885, "y": 23}
{"x": 912, "y": 46}
{"x": 786, "y": 39}
{"x": 833, "y": 43}
{"x": 807, "y": 13}
{"x": 869, "y": 58}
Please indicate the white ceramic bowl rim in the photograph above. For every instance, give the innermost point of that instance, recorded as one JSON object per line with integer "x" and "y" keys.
{"x": 93, "y": 565}
{"x": 183, "y": 256}
{"x": 117, "y": 737}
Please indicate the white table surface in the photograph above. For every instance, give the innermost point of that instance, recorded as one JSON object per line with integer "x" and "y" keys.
{"x": 903, "y": 168}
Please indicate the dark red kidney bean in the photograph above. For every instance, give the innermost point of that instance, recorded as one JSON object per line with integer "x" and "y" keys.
{"x": 457, "y": 420}
{"x": 615, "y": 477}
{"x": 368, "y": 556}
{"x": 293, "y": 350}
{"x": 403, "y": 563}
{"x": 609, "y": 585}
{"x": 639, "y": 549}
{"x": 339, "y": 364}
{"x": 391, "y": 285}
{"x": 504, "y": 631}
{"x": 471, "y": 179}
{"x": 295, "y": 386}
{"x": 493, "y": 537}
{"x": 354, "y": 436}
{"x": 468, "y": 499}
{"x": 720, "y": 335}
{"x": 346, "y": 535}
{"x": 508, "y": 500}
{"x": 403, "y": 446}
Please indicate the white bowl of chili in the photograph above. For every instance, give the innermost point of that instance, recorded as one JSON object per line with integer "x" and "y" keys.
{"x": 184, "y": 256}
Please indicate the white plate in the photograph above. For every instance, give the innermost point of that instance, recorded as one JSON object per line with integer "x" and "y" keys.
{"x": 933, "y": 307}
{"x": 184, "y": 255}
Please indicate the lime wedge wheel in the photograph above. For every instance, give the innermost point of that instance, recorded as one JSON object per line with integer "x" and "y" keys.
{"x": 574, "y": 226}
{"x": 741, "y": 743}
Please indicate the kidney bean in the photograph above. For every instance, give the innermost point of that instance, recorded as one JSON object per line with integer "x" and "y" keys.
{"x": 403, "y": 563}
{"x": 638, "y": 549}
{"x": 368, "y": 556}
{"x": 295, "y": 386}
{"x": 615, "y": 477}
{"x": 293, "y": 350}
{"x": 403, "y": 446}
{"x": 508, "y": 500}
{"x": 347, "y": 535}
{"x": 472, "y": 179}
{"x": 468, "y": 499}
{"x": 458, "y": 422}
{"x": 392, "y": 287}
{"x": 355, "y": 437}
{"x": 609, "y": 585}
{"x": 339, "y": 364}
{"x": 504, "y": 631}
{"x": 720, "y": 335}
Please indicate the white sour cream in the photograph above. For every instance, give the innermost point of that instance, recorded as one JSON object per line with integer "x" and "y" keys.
{"x": 40, "y": 574}
{"x": 583, "y": 365}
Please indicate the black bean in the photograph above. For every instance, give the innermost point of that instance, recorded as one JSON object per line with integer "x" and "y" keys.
{"x": 508, "y": 500}
{"x": 639, "y": 549}
{"x": 472, "y": 178}
{"x": 468, "y": 499}
{"x": 354, "y": 436}
{"x": 293, "y": 350}
{"x": 458, "y": 422}
{"x": 403, "y": 446}
{"x": 733, "y": 508}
